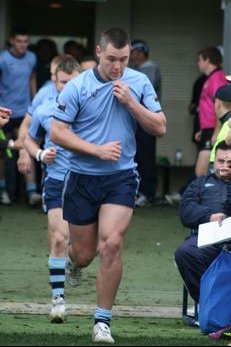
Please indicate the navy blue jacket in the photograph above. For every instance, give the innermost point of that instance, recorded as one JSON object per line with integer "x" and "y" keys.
{"x": 204, "y": 196}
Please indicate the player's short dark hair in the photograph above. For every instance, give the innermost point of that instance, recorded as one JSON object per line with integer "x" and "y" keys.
{"x": 68, "y": 65}
{"x": 116, "y": 36}
{"x": 19, "y": 30}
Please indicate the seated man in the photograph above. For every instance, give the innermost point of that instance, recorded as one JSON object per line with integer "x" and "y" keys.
{"x": 204, "y": 200}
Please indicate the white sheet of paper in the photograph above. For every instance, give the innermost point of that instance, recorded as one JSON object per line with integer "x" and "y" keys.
{"x": 211, "y": 233}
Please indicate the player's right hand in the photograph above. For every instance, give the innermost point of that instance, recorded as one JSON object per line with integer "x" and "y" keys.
{"x": 110, "y": 151}
{"x": 24, "y": 162}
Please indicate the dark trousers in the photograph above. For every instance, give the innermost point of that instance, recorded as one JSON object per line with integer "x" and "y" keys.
{"x": 192, "y": 262}
{"x": 146, "y": 160}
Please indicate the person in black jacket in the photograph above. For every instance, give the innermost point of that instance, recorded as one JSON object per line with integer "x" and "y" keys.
{"x": 204, "y": 200}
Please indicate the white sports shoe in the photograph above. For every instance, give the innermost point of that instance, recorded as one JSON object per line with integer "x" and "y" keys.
{"x": 142, "y": 201}
{"x": 173, "y": 199}
{"x": 34, "y": 199}
{"x": 73, "y": 274}
{"x": 58, "y": 310}
{"x": 102, "y": 333}
{"x": 4, "y": 198}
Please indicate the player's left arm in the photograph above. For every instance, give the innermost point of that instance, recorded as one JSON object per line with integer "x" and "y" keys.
{"x": 154, "y": 123}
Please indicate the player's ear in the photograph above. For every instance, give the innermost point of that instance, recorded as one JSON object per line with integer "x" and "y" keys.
{"x": 98, "y": 51}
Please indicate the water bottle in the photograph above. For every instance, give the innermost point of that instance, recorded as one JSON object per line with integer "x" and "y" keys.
{"x": 178, "y": 157}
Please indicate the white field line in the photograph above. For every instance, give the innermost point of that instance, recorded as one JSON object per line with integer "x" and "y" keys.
{"x": 121, "y": 311}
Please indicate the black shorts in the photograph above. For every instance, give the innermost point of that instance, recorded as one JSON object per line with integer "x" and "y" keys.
{"x": 205, "y": 142}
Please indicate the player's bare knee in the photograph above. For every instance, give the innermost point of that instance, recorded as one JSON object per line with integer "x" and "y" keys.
{"x": 110, "y": 248}
{"x": 83, "y": 258}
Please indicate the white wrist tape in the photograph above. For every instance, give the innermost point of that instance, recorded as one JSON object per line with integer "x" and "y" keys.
{"x": 43, "y": 153}
{"x": 38, "y": 155}
{"x": 11, "y": 144}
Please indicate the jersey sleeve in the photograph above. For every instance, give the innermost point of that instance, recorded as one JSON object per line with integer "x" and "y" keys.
{"x": 36, "y": 130}
{"x": 37, "y": 100}
{"x": 149, "y": 97}
{"x": 67, "y": 107}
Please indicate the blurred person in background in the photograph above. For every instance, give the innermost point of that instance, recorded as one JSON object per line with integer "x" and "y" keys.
{"x": 146, "y": 143}
{"x": 75, "y": 49}
{"x": 18, "y": 86}
{"x": 210, "y": 64}
{"x": 46, "y": 50}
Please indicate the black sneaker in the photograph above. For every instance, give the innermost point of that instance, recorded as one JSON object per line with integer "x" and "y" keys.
{"x": 190, "y": 321}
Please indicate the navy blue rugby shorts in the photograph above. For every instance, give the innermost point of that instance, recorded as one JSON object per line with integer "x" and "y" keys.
{"x": 52, "y": 194}
{"x": 84, "y": 194}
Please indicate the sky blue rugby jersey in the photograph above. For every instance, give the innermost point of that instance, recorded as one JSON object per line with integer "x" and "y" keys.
{"x": 15, "y": 73}
{"x": 40, "y": 130}
{"x": 88, "y": 104}
{"x": 47, "y": 92}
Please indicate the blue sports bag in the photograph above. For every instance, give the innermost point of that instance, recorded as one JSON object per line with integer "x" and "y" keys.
{"x": 215, "y": 294}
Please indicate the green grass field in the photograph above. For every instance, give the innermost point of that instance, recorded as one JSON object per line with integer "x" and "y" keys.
{"x": 35, "y": 330}
{"x": 150, "y": 279}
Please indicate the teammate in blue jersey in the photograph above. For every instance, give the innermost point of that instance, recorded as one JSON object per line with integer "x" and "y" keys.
{"x": 17, "y": 67}
{"x": 18, "y": 86}
{"x": 47, "y": 92}
{"x": 57, "y": 161}
{"x": 103, "y": 106}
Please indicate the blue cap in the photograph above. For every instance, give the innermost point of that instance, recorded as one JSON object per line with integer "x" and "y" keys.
{"x": 223, "y": 93}
{"x": 140, "y": 46}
